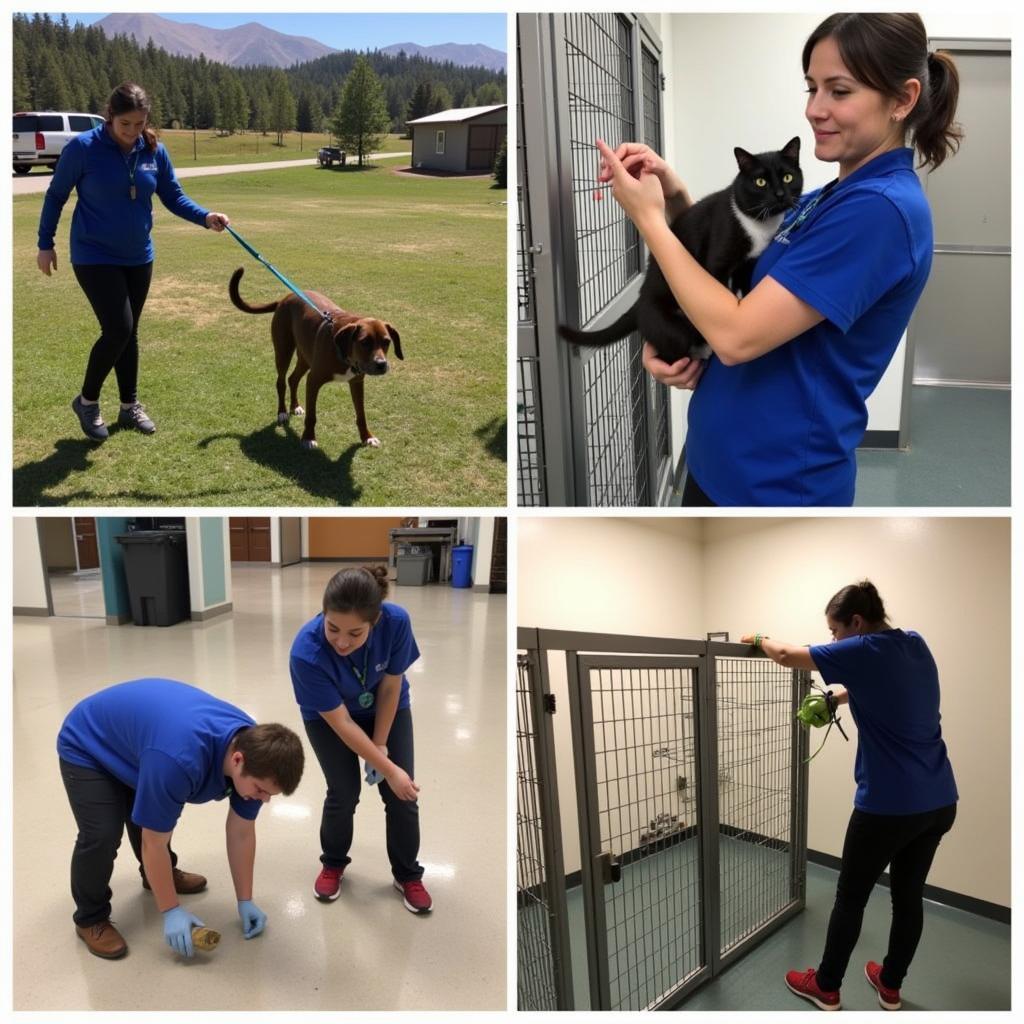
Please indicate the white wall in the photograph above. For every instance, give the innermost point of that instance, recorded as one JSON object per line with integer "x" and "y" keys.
{"x": 736, "y": 80}
{"x": 28, "y": 575}
{"x": 948, "y": 578}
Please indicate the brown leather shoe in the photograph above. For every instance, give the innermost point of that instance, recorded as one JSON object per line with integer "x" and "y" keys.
{"x": 185, "y": 882}
{"x": 103, "y": 940}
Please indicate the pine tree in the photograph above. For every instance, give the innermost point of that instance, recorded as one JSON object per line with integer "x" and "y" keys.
{"x": 489, "y": 94}
{"x": 21, "y": 88}
{"x": 282, "y": 107}
{"x": 361, "y": 119}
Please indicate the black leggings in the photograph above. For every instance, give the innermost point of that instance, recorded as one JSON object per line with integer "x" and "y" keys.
{"x": 102, "y": 806}
{"x": 117, "y": 295}
{"x": 907, "y": 844}
{"x": 344, "y": 776}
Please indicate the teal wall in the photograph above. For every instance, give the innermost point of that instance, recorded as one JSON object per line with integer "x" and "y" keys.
{"x": 211, "y": 540}
{"x": 115, "y": 588}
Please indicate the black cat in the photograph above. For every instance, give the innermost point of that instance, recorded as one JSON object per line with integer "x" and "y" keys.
{"x": 725, "y": 232}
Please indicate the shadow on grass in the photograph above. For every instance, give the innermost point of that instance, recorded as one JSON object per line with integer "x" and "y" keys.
{"x": 349, "y": 168}
{"x": 494, "y": 435}
{"x": 34, "y": 478}
{"x": 281, "y": 452}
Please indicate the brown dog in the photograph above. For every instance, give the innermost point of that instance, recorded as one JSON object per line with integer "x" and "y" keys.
{"x": 346, "y": 348}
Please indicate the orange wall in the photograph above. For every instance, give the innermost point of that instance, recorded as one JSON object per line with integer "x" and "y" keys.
{"x": 350, "y": 537}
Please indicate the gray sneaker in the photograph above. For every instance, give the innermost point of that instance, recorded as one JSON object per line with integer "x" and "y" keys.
{"x": 135, "y": 418}
{"x": 90, "y": 419}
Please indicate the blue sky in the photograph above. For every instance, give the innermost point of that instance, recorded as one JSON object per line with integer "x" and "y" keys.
{"x": 357, "y": 31}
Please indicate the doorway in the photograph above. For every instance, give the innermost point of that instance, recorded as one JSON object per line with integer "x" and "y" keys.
{"x": 71, "y": 559}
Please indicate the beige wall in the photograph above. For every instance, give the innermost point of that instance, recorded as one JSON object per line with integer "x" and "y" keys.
{"x": 638, "y": 576}
{"x": 59, "y": 542}
{"x": 27, "y": 574}
{"x": 947, "y": 578}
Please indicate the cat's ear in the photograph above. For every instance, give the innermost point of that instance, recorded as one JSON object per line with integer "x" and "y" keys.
{"x": 745, "y": 160}
{"x": 791, "y": 151}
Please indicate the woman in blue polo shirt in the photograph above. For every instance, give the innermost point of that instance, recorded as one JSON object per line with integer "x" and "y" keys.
{"x": 348, "y": 670}
{"x": 131, "y": 757}
{"x": 906, "y": 794}
{"x": 116, "y": 169}
{"x": 781, "y": 405}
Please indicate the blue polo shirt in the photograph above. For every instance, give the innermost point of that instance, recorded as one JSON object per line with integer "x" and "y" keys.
{"x": 108, "y": 226}
{"x": 783, "y": 429}
{"x": 164, "y": 739}
{"x": 901, "y": 765}
{"x": 323, "y": 680}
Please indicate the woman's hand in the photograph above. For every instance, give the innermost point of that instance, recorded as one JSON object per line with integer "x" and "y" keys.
{"x": 217, "y": 221}
{"x": 637, "y": 157}
{"x": 637, "y": 191}
{"x": 683, "y": 373}
{"x": 46, "y": 259}
{"x": 401, "y": 785}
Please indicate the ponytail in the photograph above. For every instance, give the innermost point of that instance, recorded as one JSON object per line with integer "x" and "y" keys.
{"x": 936, "y": 133}
{"x": 857, "y": 599}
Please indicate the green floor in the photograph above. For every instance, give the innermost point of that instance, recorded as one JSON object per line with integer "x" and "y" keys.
{"x": 962, "y": 963}
{"x": 959, "y": 453}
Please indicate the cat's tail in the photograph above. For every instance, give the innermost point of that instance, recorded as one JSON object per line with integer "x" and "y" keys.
{"x": 626, "y": 324}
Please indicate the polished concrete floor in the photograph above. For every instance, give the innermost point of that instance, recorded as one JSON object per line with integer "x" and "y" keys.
{"x": 364, "y": 951}
{"x": 959, "y": 453}
{"x": 962, "y": 962}
{"x": 77, "y": 594}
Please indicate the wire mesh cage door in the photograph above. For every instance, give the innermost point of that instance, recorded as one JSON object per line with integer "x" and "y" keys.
{"x": 638, "y": 751}
{"x": 760, "y": 798}
{"x": 544, "y": 977}
{"x": 605, "y": 422}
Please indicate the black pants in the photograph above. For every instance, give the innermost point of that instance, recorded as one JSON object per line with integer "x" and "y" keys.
{"x": 117, "y": 295}
{"x": 693, "y": 496}
{"x": 102, "y": 806}
{"x": 343, "y": 772}
{"x": 907, "y": 844}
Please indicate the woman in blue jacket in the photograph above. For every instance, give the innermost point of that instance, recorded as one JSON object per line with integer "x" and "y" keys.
{"x": 348, "y": 668}
{"x": 906, "y": 794}
{"x": 781, "y": 405}
{"x": 116, "y": 168}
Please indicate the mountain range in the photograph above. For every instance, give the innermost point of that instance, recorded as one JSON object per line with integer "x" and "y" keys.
{"x": 253, "y": 43}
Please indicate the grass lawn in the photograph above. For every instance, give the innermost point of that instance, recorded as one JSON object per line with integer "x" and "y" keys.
{"x": 428, "y": 255}
{"x": 208, "y": 149}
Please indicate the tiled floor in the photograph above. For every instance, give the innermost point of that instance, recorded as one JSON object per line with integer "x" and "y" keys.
{"x": 362, "y": 952}
{"x": 77, "y": 594}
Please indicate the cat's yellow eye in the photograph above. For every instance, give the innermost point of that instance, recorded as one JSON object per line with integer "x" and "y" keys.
{"x": 760, "y": 182}
{"x": 787, "y": 178}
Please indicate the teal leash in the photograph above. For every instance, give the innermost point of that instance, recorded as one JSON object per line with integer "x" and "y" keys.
{"x": 284, "y": 280}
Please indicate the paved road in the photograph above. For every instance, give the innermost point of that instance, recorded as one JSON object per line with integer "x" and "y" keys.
{"x": 36, "y": 182}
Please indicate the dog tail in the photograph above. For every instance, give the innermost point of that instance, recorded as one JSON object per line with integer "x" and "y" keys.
{"x": 240, "y": 302}
{"x": 613, "y": 332}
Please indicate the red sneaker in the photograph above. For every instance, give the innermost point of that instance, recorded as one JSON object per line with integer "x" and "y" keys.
{"x": 888, "y": 998}
{"x": 328, "y": 883}
{"x": 416, "y": 898}
{"x": 806, "y": 985}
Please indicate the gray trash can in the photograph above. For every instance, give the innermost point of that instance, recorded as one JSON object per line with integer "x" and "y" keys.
{"x": 156, "y": 570}
{"x": 413, "y": 570}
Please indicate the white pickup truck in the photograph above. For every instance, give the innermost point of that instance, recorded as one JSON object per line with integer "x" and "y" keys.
{"x": 40, "y": 135}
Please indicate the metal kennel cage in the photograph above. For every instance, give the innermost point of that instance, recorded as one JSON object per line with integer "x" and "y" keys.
{"x": 592, "y": 425}
{"x": 691, "y": 786}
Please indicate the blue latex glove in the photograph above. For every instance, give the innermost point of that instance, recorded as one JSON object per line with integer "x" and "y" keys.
{"x": 253, "y": 919}
{"x": 178, "y": 924}
{"x": 372, "y": 775}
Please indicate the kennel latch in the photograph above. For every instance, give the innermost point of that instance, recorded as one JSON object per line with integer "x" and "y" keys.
{"x": 611, "y": 868}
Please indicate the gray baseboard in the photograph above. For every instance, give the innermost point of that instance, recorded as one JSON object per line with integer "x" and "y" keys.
{"x": 45, "y": 612}
{"x": 209, "y": 613}
{"x": 119, "y": 620}
{"x": 880, "y": 439}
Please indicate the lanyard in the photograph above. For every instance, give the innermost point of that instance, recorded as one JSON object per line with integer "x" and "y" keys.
{"x": 805, "y": 212}
{"x": 131, "y": 174}
{"x": 366, "y": 697}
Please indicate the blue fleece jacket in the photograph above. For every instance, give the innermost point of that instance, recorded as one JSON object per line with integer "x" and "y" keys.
{"x": 108, "y": 225}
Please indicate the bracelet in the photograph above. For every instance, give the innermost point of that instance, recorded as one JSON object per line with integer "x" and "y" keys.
{"x": 758, "y": 637}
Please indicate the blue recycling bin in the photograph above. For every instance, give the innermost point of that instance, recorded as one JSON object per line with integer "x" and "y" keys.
{"x": 462, "y": 565}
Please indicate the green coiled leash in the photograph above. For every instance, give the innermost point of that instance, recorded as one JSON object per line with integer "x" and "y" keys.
{"x": 816, "y": 710}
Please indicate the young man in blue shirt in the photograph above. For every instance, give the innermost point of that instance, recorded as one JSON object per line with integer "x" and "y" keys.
{"x": 132, "y": 756}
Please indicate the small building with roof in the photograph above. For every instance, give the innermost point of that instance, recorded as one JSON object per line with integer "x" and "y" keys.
{"x": 464, "y": 140}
